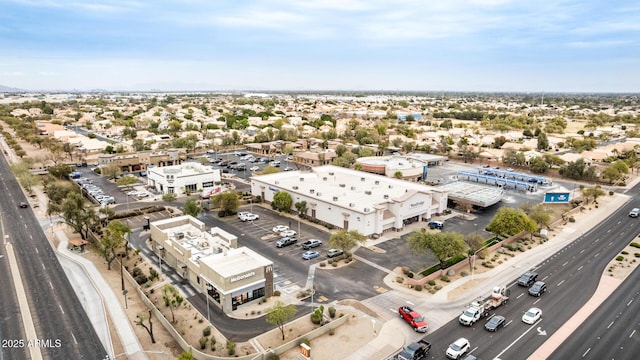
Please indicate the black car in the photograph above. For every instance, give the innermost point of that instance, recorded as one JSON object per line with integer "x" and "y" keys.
{"x": 528, "y": 278}
{"x": 538, "y": 288}
{"x": 494, "y": 323}
{"x": 286, "y": 241}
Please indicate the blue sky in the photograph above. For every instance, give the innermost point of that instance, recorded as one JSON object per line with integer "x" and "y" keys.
{"x": 431, "y": 45}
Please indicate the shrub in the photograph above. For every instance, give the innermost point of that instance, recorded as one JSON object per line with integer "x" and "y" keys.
{"x": 418, "y": 288}
{"x": 323, "y": 264}
{"x": 276, "y": 293}
{"x": 444, "y": 278}
{"x": 316, "y": 315}
{"x": 332, "y": 312}
{"x": 636, "y": 254}
{"x": 335, "y": 264}
{"x": 141, "y": 279}
{"x": 635, "y": 244}
{"x": 231, "y": 347}
{"x": 213, "y": 343}
{"x": 619, "y": 258}
{"x": 432, "y": 282}
{"x": 206, "y": 331}
{"x": 203, "y": 342}
{"x": 625, "y": 253}
{"x": 273, "y": 357}
{"x": 332, "y": 332}
{"x": 410, "y": 275}
{"x": 405, "y": 270}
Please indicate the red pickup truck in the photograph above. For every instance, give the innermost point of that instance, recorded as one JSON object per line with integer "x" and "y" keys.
{"x": 413, "y": 318}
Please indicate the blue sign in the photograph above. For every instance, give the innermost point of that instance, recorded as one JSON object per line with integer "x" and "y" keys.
{"x": 556, "y": 197}
{"x": 424, "y": 173}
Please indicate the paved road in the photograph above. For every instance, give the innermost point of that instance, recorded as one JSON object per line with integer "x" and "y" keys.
{"x": 57, "y": 313}
{"x": 612, "y": 331}
{"x": 569, "y": 275}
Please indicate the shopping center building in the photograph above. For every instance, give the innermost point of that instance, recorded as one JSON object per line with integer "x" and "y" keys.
{"x": 188, "y": 177}
{"x": 354, "y": 200}
{"x": 211, "y": 261}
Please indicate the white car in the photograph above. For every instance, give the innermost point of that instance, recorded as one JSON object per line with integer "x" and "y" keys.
{"x": 531, "y": 316}
{"x": 249, "y": 217}
{"x": 254, "y": 168}
{"x": 280, "y": 228}
{"x": 458, "y": 348}
{"x": 242, "y": 214}
{"x": 288, "y": 233}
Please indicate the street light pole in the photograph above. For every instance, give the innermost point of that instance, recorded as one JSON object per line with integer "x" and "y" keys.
{"x": 473, "y": 261}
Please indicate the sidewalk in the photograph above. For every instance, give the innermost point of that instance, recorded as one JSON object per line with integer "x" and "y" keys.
{"x": 392, "y": 339}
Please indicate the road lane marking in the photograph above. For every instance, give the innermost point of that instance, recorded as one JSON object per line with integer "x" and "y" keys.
{"x": 610, "y": 325}
{"x": 580, "y": 268}
{"x": 50, "y": 285}
{"x": 560, "y": 283}
{"x": 633, "y": 332}
{"x": 586, "y": 352}
{"x": 519, "y": 296}
{"x": 565, "y": 264}
{"x": 630, "y": 301}
{"x": 74, "y": 339}
{"x": 516, "y": 340}
{"x": 60, "y": 306}
{"x": 596, "y": 255}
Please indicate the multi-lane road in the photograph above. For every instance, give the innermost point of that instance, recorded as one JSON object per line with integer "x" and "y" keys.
{"x": 62, "y": 328}
{"x": 572, "y": 275}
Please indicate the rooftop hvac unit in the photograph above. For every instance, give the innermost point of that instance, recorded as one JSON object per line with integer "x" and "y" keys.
{"x": 352, "y": 204}
{"x": 368, "y": 192}
{"x": 367, "y": 209}
{"x": 377, "y": 182}
{"x": 362, "y": 179}
{"x": 335, "y": 198}
{"x": 386, "y": 196}
{"x": 390, "y": 186}
{"x": 318, "y": 194}
{"x": 353, "y": 188}
{"x": 295, "y": 187}
{"x": 331, "y": 173}
{"x": 324, "y": 178}
{"x": 342, "y": 185}
{"x": 278, "y": 182}
{"x": 312, "y": 191}
{"x": 301, "y": 179}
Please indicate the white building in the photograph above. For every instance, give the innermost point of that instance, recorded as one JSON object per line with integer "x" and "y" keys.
{"x": 188, "y": 177}
{"x": 354, "y": 200}
{"x": 212, "y": 262}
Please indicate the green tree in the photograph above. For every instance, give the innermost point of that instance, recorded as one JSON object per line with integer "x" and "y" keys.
{"x": 60, "y": 171}
{"x": 539, "y": 166}
{"x": 112, "y": 240}
{"x": 346, "y": 239}
{"x": 169, "y": 197}
{"x": 57, "y": 191}
{"x": 510, "y": 221}
{"x": 444, "y": 245}
{"x": 475, "y": 242}
{"x": 543, "y": 142}
{"x": 538, "y": 213}
{"x": 340, "y": 149}
{"x": 397, "y": 174}
{"x": 76, "y": 215}
{"x": 279, "y": 314}
{"x": 282, "y": 201}
{"x": 592, "y": 192}
{"x": 172, "y": 299}
{"x": 301, "y": 207}
{"x": 111, "y": 171}
{"x": 191, "y": 207}
{"x": 227, "y": 201}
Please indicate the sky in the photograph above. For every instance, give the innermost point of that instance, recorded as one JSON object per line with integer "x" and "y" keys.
{"x": 359, "y": 45}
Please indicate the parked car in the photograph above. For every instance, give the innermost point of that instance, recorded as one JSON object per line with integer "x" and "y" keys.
{"x": 309, "y": 244}
{"x": 494, "y": 323}
{"x": 288, "y": 233}
{"x": 242, "y": 214}
{"x": 413, "y": 318}
{"x": 250, "y": 217}
{"x": 531, "y": 316}
{"x": 334, "y": 252}
{"x": 278, "y": 229}
{"x": 286, "y": 241}
{"x": 528, "y": 278}
{"x": 538, "y": 288}
{"x": 23, "y": 204}
{"x": 254, "y": 168}
{"x": 436, "y": 225}
{"x": 458, "y": 348}
{"x": 287, "y": 169}
{"x": 308, "y": 255}
{"x": 634, "y": 212}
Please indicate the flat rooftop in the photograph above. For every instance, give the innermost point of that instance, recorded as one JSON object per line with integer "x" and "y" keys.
{"x": 479, "y": 195}
{"x": 236, "y": 261}
{"x": 393, "y": 162}
{"x": 345, "y": 187}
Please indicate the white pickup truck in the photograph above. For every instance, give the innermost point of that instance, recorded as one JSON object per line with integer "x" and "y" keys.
{"x": 478, "y": 309}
